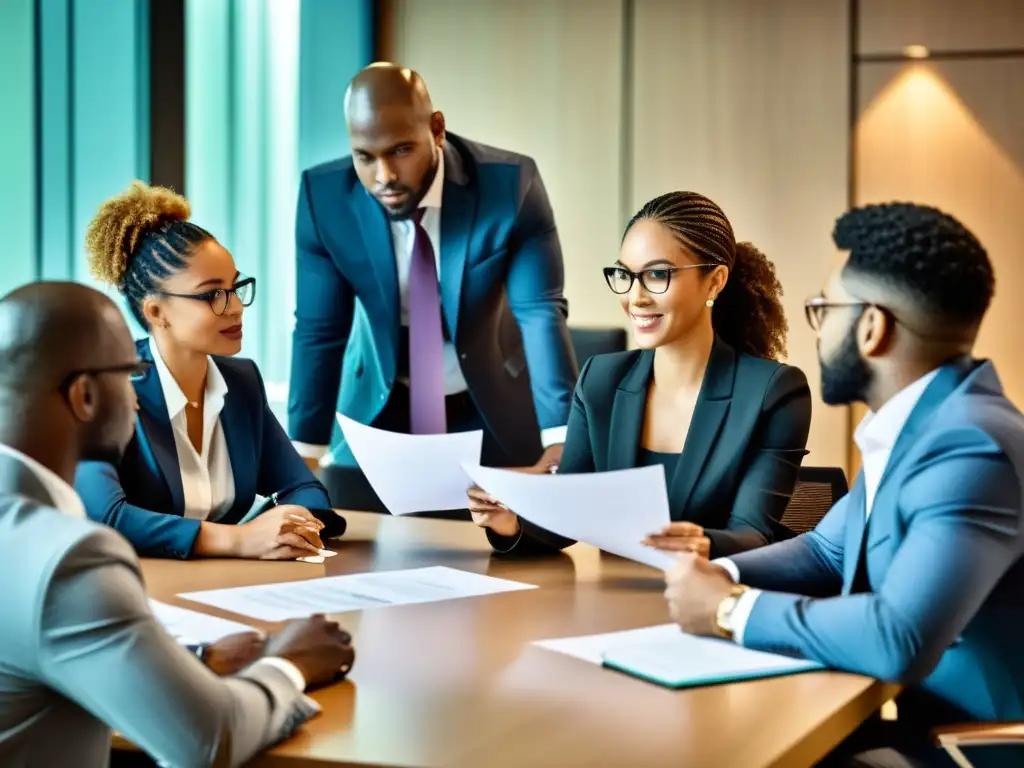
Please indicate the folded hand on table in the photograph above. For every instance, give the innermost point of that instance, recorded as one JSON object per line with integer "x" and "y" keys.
{"x": 281, "y": 533}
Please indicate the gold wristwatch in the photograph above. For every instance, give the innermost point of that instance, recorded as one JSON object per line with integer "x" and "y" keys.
{"x": 723, "y": 616}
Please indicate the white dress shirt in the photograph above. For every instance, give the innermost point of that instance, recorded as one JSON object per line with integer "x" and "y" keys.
{"x": 66, "y": 500}
{"x": 403, "y": 238}
{"x": 876, "y": 436}
{"x": 207, "y": 479}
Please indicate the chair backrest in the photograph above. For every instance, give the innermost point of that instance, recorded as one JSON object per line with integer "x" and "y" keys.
{"x": 817, "y": 489}
{"x": 587, "y": 342}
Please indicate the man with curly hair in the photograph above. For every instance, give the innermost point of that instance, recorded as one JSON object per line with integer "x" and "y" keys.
{"x": 915, "y": 576}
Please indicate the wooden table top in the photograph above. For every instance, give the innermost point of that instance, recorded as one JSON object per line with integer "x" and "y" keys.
{"x": 458, "y": 682}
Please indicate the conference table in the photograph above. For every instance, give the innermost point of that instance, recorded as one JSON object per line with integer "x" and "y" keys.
{"x": 459, "y": 683}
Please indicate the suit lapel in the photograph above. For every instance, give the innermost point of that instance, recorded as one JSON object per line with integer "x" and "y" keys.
{"x": 853, "y": 541}
{"x": 627, "y": 419}
{"x": 380, "y": 252}
{"x": 237, "y": 423}
{"x": 458, "y": 211}
{"x": 709, "y": 414}
{"x": 155, "y": 432}
{"x": 17, "y": 478}
{"x": 948, "y": 378}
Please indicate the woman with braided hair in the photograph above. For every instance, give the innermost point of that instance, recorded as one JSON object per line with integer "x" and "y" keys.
{"x": 206, "y": 441}
{"x": 703, "y": 395}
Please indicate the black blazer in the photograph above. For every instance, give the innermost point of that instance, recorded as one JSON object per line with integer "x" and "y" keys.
{"x": 740, "y": 460}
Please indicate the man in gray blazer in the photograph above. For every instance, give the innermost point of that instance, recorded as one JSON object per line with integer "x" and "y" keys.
{"x": 916, "y": 575}
{"x": 80, "y": 652}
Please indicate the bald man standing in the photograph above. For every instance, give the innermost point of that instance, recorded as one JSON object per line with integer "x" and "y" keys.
{"x": 429, "y": 280}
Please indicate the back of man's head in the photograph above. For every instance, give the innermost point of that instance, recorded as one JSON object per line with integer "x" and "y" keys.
{"x": 51, "y": 332}
{"x": 929, "y": 265}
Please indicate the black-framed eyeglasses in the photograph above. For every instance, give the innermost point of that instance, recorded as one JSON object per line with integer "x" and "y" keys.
{"x": 136, "y": 371}
{"x": 816, "y": 307}
{"x": 654, "y": 280}
{"x": 220, "y": 298}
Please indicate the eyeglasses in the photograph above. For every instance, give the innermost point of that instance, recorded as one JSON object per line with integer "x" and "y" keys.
{"x": 816, "y": 307}
{"x": 136, "y": 370}
{"x": 656, "y": 280}
{"x": 219, "y": 299}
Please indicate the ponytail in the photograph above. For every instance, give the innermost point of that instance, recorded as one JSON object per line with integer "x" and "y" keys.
{"x": 748, "y": 315}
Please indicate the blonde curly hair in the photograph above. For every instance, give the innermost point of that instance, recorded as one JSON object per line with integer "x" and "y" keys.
{"x": 139, "y": 238}
{"x": 124, "y": 221}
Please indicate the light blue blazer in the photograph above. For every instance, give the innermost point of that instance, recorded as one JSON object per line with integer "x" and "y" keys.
{"x": 940, "y": 556}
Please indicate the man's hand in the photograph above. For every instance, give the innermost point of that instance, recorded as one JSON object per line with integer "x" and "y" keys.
{"x": 321, "y": 649}
{"x": 695, "y": 587}
{"x": 234, "y": 653}
{"x": 680, "y": 537}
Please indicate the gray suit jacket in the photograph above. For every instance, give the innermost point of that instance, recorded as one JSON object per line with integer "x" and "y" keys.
{"x": 80, "y": 653}
{"x": 929, "y": 591}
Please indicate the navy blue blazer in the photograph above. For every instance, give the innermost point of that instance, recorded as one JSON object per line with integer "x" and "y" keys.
{"x": 501, "y": 294}
{"x": 741, "y": 455}
{"x": 143, "y": 498}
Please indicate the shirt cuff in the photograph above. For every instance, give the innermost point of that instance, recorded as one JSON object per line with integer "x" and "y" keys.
{"x": 729, "y": 567}
{"x": 286, "y": 668}
{"x": 741, "y": 613}
{"x": 553, "y": 436}
{"x": 310, "y": 451}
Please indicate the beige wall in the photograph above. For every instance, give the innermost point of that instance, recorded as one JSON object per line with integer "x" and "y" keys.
{"x": 948, "y": 134}
{"x": 742, "y": 100}
{"x": 887, "y": 26}
{"x": 541, "y": 77}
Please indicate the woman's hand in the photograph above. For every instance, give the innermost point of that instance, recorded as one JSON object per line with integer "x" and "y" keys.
{"x": 488, "y": 512}
{"x": 680, "y": 537}
{"x": 281, "y": 533}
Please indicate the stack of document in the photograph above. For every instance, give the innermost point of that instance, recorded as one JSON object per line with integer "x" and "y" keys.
{"x": 191, "y": 627}
{"x": 667, "y": 656}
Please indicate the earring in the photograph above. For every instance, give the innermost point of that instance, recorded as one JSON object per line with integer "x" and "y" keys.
{"x": 709, "y": 303}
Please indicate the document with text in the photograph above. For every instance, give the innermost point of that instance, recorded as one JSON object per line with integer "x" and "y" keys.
{"x": 613, "y": 511}
{"x": 353, "y": 592}
{"x": 667, "y": 656}
{"x": 414, "y": 473}
{"x": 192, "y": 627}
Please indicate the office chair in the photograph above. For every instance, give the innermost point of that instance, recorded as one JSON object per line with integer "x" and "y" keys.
{"x": 587, "y": 342}
{"x": 971, "y": 735}
{"x": 817, "y": 489}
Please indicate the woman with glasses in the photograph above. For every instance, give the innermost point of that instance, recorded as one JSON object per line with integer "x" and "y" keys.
{"x": 703, "y": 394}
{"x": 206, "y": 441}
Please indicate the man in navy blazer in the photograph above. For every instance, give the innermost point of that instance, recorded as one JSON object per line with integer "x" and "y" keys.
{"x": 429, "y": 286}
{"x": 916, "y": 575}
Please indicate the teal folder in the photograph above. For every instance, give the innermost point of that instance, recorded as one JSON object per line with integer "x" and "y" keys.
{"x": 672, "y": 664}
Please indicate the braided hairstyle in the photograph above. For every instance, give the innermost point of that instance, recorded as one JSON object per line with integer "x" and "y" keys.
{"x": 140, "y": 238}
{"x": 748, "y": 314}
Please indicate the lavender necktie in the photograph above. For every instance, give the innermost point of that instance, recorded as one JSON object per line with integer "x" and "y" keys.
{"x": 426, "y": 342}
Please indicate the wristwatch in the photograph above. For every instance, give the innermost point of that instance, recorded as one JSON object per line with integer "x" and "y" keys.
{"x": 199, "y": 649}
{"x": 723, "y": 616}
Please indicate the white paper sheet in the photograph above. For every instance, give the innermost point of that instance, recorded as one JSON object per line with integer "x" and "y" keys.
{"x": 353, "y": 592}
{"x": 414, "y": 473}
{"x": 613, "y": 511}
{"x": 665, "y": 652}
{"x": 191, "y": 627}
